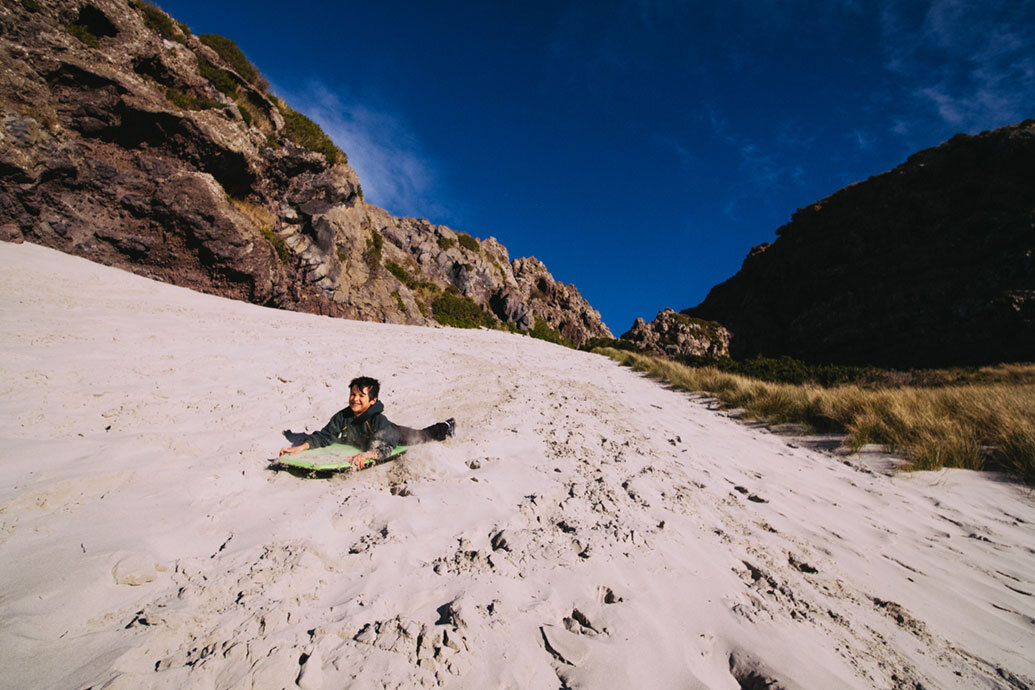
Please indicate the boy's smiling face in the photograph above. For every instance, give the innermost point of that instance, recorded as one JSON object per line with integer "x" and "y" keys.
{"x": 360, "y": 400}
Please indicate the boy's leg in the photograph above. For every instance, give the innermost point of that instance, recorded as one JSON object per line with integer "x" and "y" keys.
{"x": 436, "y": 432}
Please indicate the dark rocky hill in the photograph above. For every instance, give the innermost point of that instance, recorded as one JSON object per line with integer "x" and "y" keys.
{"x": 130, "y": 141}
{"x": 929, "y": 264}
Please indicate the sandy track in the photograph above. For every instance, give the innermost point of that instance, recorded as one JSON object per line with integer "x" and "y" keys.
{"x": 586, "y": 527}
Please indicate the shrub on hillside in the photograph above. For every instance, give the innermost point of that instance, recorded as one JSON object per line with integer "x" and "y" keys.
{"x": 278, "y": 244}
{"x": 83, "y": 34}
{"x": 220, "y": 78}
{"x": 233, "y": 56}
{"x": 306, "y": 133}
{"x": 445, "y": 243}
{"x": 189, "y": 101}
{"x": 159, "y": 22}
{"x": 614, "y": 343}
{"x": 451, "y": 309}
{"x": 375, "y": 244}
{"x": 543, "y": 331}
{"x": 468, "y": 242}
{"x": 786, "y": 370}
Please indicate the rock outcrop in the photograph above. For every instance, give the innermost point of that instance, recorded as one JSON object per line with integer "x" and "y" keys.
{"x": 929, "y": 264}
{"x": 678, "y": 335}
{"x": 128, "y": 140}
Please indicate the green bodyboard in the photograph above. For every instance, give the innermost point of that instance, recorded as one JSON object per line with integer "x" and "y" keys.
{"x": 332, "y": 458}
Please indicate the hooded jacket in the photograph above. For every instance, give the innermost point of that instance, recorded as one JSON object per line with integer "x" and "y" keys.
{"x": 370, "y": 431}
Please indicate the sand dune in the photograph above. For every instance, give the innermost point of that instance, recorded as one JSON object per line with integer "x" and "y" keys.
{"x": 585, "y": 528}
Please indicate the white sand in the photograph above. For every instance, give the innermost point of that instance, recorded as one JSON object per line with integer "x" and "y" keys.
{"x": 641, "y": 539}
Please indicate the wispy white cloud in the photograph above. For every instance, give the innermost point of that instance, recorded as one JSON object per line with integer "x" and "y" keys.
{"x": 972, "y": 65}
{"x": 380, "y": 146}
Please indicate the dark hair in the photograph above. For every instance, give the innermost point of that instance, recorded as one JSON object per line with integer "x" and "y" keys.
{"x": 366, "y": 383}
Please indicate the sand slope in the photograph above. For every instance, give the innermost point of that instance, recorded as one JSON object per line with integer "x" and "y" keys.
{"x": 587, "y": 527}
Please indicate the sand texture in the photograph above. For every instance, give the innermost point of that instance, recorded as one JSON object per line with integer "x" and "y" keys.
{"x": 586, "y": 527}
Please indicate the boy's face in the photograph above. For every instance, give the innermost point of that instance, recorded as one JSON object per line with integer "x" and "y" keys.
{"x": 360, "y": 400}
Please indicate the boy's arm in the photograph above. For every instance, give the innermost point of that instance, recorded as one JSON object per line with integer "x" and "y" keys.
{"x": 324, "y": 437}
{"x": 329, "y": 434}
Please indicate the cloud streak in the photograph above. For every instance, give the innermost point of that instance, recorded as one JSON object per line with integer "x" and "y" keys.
{"x": 970, "y": 64}
{"x": 381, "y": 148}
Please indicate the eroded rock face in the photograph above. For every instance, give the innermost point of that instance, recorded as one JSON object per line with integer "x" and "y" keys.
{"x": 674, "y": 334}
{"x": 929, "y": 264}
{"x": 115, "y": 147}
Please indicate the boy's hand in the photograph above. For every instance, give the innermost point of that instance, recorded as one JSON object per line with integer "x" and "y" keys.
{"x": 359, "y": 461}
{"x": 294, "y": 449}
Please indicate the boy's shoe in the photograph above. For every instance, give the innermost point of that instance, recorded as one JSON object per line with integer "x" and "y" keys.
{"x": 451, "y": 427}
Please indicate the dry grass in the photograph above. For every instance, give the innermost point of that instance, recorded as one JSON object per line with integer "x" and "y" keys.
{"x": 986, "y": 420}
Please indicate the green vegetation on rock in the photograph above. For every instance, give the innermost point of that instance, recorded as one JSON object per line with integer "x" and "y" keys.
{"x": 543, "y": 331}
{"x": 278, "y": 244}
{"x": 445, "y": 243}
{"x": 83, "y": 34}
{"x": 159, "y": 22}
{"x": 375, "y": 244}
{"x": 189, "y": 101}
{"x": 220, "y": 78}
{"x": 233, "y": 56}
{"x": 452, "y": 309}
{"x": 304, "y": 132}
{"x": 399, "y": 302}
{"x": 468, "y": 242}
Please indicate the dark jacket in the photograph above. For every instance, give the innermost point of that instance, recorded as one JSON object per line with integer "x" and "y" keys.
{"x": 370, "y": 431}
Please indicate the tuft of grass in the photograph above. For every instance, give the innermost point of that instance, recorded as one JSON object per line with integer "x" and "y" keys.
{"x": 246, "y": 114}
{"x": 220, "y": 78}
{"x": 306, "y": 133}
{"x": 159, "y": 22}
{"x": 468, "y": 242}
{"x": 375, "y": 245}
{"x": 445, "y": 243}
{"x": 83, "y": 34}
{"x": 233, "y": 56}
{"x": 543, "y": 331}
{"x": 452, "y": 309}
{"x": 399, "y": 302}
{"x": 969, "y": 425}
{"x": 189, "y": 101}
{"x": 283, "y": 253}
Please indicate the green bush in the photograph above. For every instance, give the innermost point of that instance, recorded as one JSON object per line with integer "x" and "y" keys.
{"x": 399, "y": 302}
{"x": 184, "y": 28}
{"x": 445, "y": 243}
{"x": 278, "y": 244}
{"x": 83, "y": 34}
{"x": 233, "y": 56}
{"x": 246, "y": 114}
{"x": 159, "y": 22}
{"x": 220, "y": 78}
{"x": 272, "y": 142}
{"x": 399, "y": 272}
{"x": 468, "y": 242}
{"x": 543, "y": 331}
{"x": 451, "y": 309}
{"x": 306, "y": 133}
{"x": 375, "y": 244}
{"x": 189, "y": 101}
{"x": 613, "y": 343}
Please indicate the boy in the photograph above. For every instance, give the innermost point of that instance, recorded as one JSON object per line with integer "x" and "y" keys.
{"x": 363, "y": 424}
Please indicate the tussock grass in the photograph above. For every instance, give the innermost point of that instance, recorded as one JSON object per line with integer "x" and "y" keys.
{"x": 982, "y": 419}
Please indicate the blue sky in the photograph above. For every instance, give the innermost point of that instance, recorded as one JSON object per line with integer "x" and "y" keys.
{"x": 638, "y": 148}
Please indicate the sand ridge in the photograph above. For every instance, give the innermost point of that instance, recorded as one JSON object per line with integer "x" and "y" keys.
{"x": 586, "y": 527}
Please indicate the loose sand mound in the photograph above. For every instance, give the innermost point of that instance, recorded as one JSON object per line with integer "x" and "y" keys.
{"x": 586, "y": 527}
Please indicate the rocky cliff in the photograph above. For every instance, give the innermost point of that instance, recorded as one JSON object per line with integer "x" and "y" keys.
{"x": 929, "y": 264}
{"x": 128, "y": 140}
{"x": 676, "y": 335}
